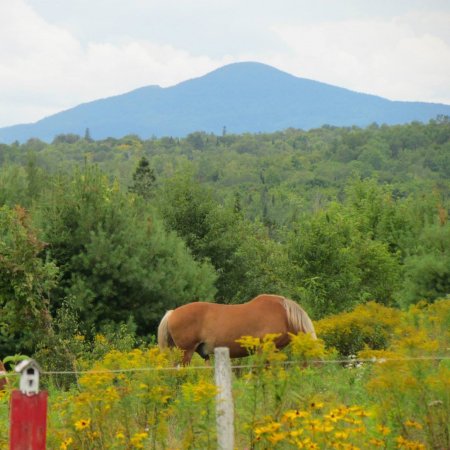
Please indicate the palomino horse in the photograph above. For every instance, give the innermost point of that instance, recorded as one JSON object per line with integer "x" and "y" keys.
{"x": 201, "y": 327}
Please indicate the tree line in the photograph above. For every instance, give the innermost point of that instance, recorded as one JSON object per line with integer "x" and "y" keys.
{"x": 107, "y": 235}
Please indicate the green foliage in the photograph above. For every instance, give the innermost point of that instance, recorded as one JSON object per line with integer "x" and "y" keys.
{"x": 13, "y": 360}
{"x": 143, "y": 179}
{"x": 25, "y": 283}
{"x": 336, "y": 266}
{"x": 117, "y": 262}
{"x": 323, "y": 263}
{"x": 427, "y": 272}
{"x": 332, "y": 217}
{"x": 13, "y": 186}
{"x": 69, "y": 138}
{"x": 246, "y": 260}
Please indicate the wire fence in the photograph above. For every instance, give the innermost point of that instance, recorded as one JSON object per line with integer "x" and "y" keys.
{"x": 347, "y": 361}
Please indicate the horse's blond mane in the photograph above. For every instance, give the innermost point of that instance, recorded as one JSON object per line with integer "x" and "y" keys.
{"x": 297, "y": 318}
{"x": 164, "y": 338}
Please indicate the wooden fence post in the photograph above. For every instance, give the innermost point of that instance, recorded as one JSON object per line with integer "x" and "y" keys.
{"x": 224, "y": 399}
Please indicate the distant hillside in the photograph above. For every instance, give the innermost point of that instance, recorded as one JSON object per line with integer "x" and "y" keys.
{"x": 243, "y": 97}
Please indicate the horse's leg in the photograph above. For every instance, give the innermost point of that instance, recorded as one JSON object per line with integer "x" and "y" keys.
{"x": 187, "y": 356}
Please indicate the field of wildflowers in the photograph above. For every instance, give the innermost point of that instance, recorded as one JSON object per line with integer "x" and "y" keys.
{"x": 377, "y": 378}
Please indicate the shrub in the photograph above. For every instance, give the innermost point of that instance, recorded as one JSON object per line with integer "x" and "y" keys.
{"x": 369, "y": 325}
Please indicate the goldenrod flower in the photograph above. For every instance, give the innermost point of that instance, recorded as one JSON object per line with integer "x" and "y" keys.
{"x": 250, "y": 343}
{"x": 136, "y": 440}
{"x": 100, "y": 339}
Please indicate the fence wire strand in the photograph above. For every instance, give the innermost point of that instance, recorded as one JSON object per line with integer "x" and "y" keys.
{"x": 348, "y": 361}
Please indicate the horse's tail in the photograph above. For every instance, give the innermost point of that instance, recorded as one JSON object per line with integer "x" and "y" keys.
{"x": 164, "y": 337}
{"x": 298, "y": 319}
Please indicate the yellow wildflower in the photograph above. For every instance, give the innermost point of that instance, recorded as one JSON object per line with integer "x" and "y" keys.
{"x": 413, "y": 424}
{"x": 411, "y": 445}
{"x": 66, "y": 443}
{"x": 82, "y": 424}
{"x": 250, "y": 343}
{"x": 358, "y": 430}
{"x": 136, "y": 440}
{"x": 314, "y": 425}
{"x": 269, "y": 428}
{"x": 316, "y": 405}
{"x": 296, "y": 433}
{"x": 334, "y": 416}
{"x": 276, "y": 437}
{"x": 294, "y": 414}
{"x": 326, "y": 427}
{"x": 304, "y": 346}
{"x": 383, "y": 430}
{"x": 352, "y": 420}
{"x": 341, "y": 435}
{"x": 362, "y": 413}
{"x": 100, "y": 339}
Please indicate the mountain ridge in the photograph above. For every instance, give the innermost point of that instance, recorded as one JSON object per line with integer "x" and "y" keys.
{"x": 243, "y": 97}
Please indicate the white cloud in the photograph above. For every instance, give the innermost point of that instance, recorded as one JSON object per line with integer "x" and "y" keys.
{"x": 389, "y": 58}
{"x": 44, "y": 69}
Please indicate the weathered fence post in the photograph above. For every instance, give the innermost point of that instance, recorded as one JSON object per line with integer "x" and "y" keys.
{"x": 224, "y": 399}
{"x": 28, "y": 415}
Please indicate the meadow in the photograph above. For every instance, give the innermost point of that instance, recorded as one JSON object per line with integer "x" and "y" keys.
{"x": 377, "y": 377}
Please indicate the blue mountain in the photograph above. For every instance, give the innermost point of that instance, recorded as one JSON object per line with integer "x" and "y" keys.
{"x": 244, "y": 97}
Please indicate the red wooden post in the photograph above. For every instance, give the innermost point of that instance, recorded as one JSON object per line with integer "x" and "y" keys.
{"x": 28, "y": 421}
{"x": 28, "y": 414}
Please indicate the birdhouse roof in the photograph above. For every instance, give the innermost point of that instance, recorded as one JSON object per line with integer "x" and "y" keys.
{"x": 25, "y": 364}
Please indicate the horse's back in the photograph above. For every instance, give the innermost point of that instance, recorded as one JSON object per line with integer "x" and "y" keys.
{"x": 266, "y": 299}
{"x": 200, "y": 321}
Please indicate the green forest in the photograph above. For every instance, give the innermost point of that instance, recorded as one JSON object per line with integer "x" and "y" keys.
{"x": 106, "y": 235}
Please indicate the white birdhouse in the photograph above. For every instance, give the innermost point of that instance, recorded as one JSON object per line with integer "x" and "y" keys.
{"x": 29, "y": 376}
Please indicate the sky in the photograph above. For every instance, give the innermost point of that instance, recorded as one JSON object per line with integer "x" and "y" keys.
{"x": 56, "y": 54}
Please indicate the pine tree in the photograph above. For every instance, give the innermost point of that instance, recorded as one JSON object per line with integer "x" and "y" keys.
{"x": 143, "y": 179}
